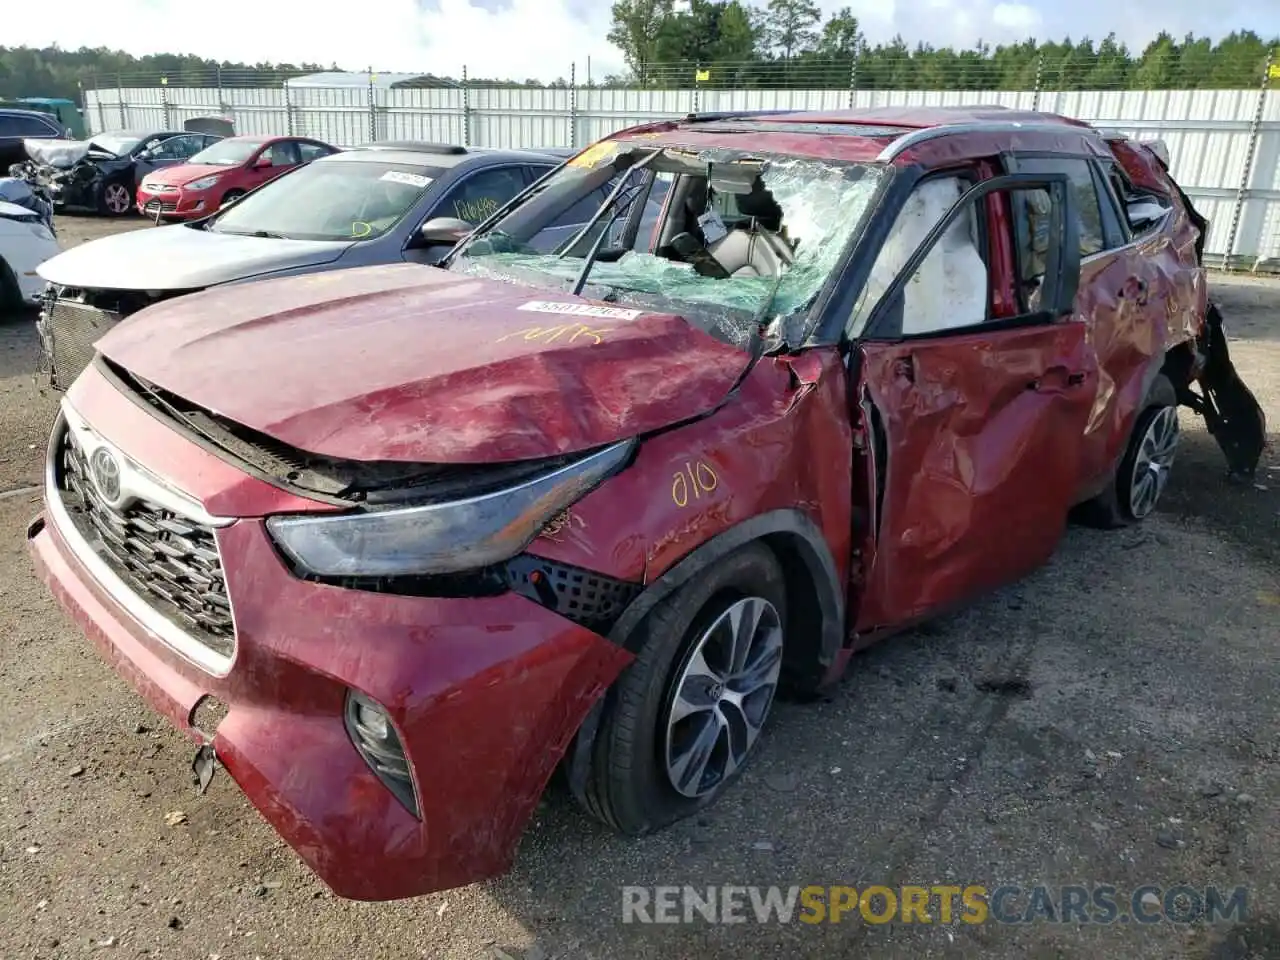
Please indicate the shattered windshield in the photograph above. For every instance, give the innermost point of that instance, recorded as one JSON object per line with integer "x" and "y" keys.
{"x": 739, "y": 233}
{"x": 329, "y": 200}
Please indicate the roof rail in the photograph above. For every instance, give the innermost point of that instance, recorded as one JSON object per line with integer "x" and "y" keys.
{"x": 421, "y": 146}
{"x": 735, "y": 115}
{"x": 916, "y": 137}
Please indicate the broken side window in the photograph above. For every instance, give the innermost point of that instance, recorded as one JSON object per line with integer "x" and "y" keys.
{"x": 950, "y": 288}
{"x": 1092, "y": 237}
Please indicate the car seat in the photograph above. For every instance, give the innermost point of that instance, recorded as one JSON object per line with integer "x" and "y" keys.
{"x": 757, "y": 251}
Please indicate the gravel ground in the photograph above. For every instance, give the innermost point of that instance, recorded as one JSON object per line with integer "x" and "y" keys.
{"x": 1112, "y": 719}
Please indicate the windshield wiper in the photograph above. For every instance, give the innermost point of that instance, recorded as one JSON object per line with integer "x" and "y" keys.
{"x": 262, "y": 234}
{"x": 623, "y": 208}
{"x": 594, "y": 252}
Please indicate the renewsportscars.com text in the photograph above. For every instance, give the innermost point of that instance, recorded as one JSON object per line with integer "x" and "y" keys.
{"x": 941, "y": 904}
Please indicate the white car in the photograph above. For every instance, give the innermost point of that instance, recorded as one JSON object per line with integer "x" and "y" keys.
{"x": 25, "y": 242}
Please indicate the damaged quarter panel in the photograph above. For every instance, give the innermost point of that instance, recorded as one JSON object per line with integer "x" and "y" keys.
{"x": 1141, "y": 301}
{"x": 1126, "y": 328}
{"x": 1174, "y": 249}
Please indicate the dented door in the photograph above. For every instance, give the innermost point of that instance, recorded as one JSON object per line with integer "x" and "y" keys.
{"x": 975, "y": 455}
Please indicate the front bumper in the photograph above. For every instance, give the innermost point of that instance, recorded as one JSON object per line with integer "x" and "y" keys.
{"x": 67, "y": 190}
{"x": 174, "y": 205}
{"x": 485, "y": 693}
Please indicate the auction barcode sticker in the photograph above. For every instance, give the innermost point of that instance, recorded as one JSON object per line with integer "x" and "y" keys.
{"x": 580, "y": 310}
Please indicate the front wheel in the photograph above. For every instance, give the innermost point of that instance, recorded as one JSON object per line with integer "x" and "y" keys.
{"x": 231, "y": 196}
{"x": 685, "y": 716}
{"x": 116, "y": 200}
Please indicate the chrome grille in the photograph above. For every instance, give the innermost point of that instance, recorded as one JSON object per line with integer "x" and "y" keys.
{"x": 70, "y": 331}
{"x": 162, "y": 206}
{"x": 168, "y": 560}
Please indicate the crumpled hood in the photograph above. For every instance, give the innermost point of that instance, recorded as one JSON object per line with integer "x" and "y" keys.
{"x": 181, "y": 258}
{"x": 185, "y": 173}
{"x": 62, "y": 154}
{"x": 416, "y": 363}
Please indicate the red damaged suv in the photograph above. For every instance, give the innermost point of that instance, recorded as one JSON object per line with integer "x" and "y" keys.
{"x": 393, "y": 543}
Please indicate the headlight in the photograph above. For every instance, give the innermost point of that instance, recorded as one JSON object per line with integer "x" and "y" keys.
{"x": 442, "y": 538}
{"x": 204, "y": 183}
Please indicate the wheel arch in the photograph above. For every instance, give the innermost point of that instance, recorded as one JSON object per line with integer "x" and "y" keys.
{"x": 815, "y": 610}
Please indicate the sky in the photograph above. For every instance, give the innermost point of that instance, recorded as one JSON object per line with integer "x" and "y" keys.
{"x": 519, "y": 39}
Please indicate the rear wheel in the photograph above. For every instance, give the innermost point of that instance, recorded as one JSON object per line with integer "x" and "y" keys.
{"x": 116, "y": 199}
{"x": 1145, "y": 468}
{"x": 685, "y": 716}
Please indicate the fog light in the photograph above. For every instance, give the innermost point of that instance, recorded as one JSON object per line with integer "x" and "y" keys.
{"x": 375, "y": 737}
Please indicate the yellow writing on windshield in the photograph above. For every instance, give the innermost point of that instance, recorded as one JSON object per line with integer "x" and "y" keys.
{"x": 475, "y": 209}
{"x": 567, "y": 332}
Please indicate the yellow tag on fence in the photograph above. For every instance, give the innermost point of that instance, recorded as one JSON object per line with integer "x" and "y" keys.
{"x": 1274, "y": 71}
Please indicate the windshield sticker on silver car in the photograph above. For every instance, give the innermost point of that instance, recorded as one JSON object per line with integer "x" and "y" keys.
{"x": 410, "y": 179}
{"x": 580, "y": 310}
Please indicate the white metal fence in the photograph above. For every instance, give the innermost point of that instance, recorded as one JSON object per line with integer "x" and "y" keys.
{"x": 1224, "y": 144}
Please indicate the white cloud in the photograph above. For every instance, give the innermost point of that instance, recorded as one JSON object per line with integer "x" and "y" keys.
{"x": 1019, "y": 18}
{"x": 541, "y": 38}
{"x": 529, "y": 38}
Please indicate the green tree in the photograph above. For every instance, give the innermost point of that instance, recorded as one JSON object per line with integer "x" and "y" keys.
{"x": 739, "y": 35}
{"x": 842, "y": 37}
{"x": 636, "y": 28}
{"x": 792, "y": 26}
{"x": 1159, "y": 65}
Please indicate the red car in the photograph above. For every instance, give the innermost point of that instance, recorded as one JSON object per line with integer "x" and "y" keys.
{"x": 222, "y": 173}
{"x": 395, "y": 542}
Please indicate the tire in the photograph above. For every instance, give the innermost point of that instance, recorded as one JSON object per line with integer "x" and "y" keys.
{"x": 1155, "y": 431}
{"x": 10, "y": 292}
{"x": 231, "y": 196}
{"x": 630, "y": 784}
{"x": 116, "y": 200}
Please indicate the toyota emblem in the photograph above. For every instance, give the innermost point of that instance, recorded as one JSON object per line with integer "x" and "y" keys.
{"x": 105, "y": 469}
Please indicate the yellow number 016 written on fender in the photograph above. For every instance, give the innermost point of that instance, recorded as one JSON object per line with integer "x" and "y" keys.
{"x": 693, "y": 482}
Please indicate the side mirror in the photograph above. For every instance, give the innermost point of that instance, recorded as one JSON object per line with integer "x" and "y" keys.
{"x": 145, "y": 155}
{"x": 443, "y": 230}
{"x": 261, "y": 162}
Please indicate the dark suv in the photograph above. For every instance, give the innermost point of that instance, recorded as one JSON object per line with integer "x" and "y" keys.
{"x": 19, "y": 125}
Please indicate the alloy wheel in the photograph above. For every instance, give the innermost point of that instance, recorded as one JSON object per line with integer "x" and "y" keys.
{"x": 116, "y": 198}
{"x": 722, "y": 696}
{"x": 1153, "y": 461}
